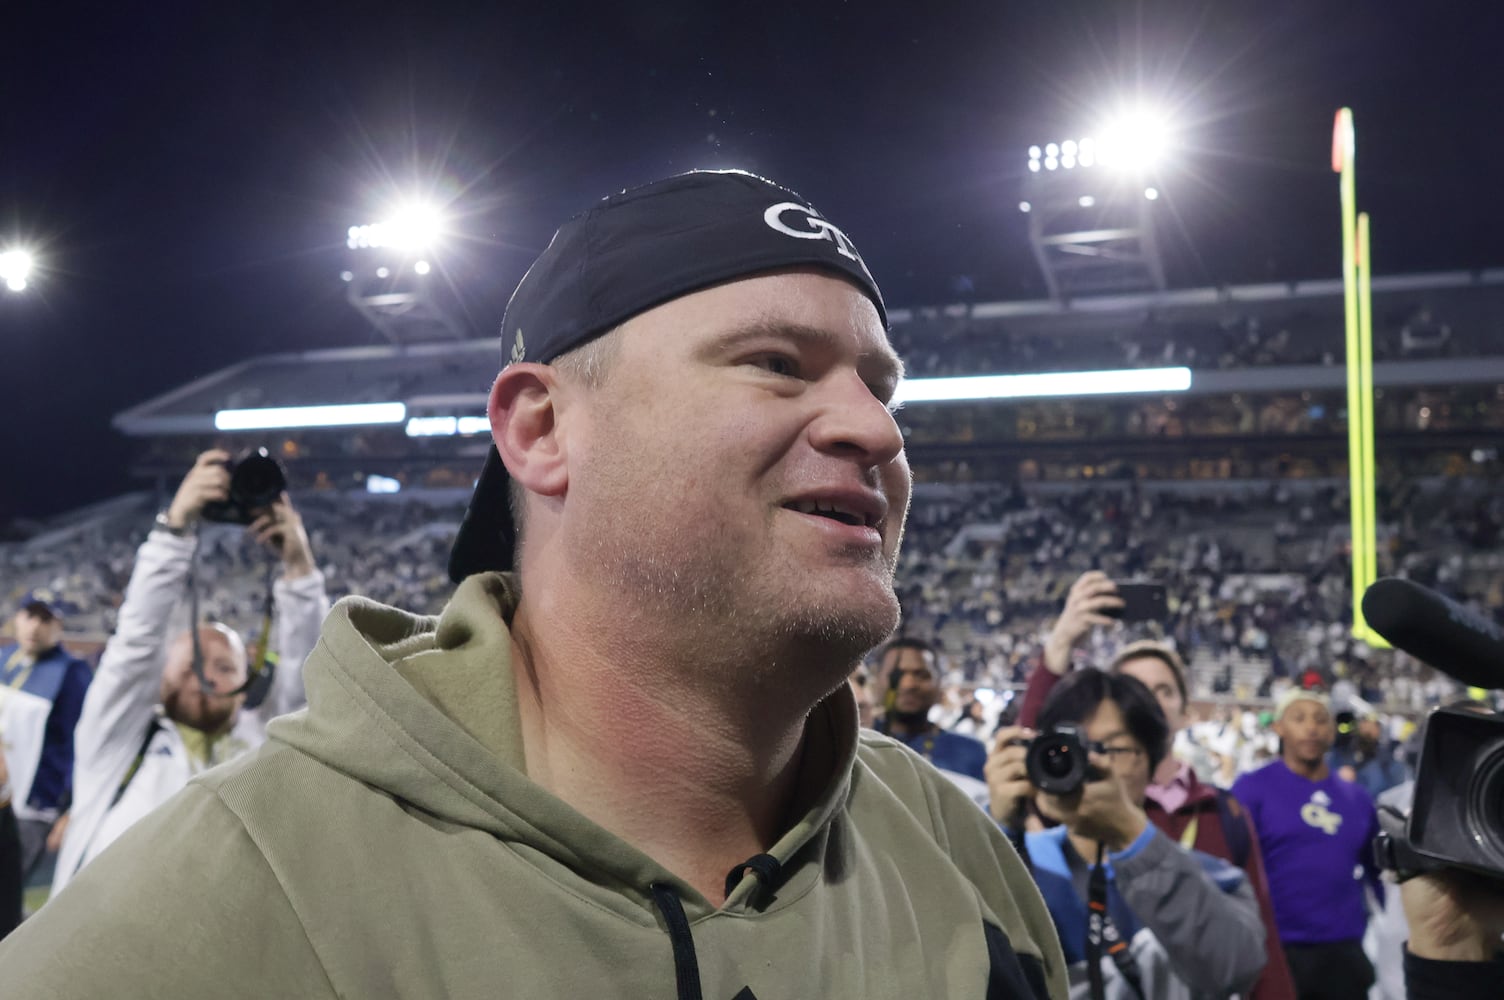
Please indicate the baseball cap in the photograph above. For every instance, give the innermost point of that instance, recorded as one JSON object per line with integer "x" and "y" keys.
{"x": 1295, "y": 694}
{"x": 44, "y": 602}
{"x": 630, "y": 252}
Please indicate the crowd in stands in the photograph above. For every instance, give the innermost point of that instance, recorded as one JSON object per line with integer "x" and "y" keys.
{"x": 954, "y": 341}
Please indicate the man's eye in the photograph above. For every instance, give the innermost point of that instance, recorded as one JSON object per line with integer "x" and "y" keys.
{"x": 778, "y": 364}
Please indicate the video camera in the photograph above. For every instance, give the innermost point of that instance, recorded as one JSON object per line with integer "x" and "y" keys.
{"x": 256, "y": 480}
{"x": 1456, "y": 819}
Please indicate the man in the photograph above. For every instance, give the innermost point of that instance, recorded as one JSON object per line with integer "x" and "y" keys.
{"x": 1196, "y": 815}
{"x": 11, "y": 887}
{"x": 1316, "y": 831}
{"x": 1369, "y": 757}
{"x": 912, "y": 670}
{"x": 632, "y": 768}
{"x": 152, "y": 720}
{"x": 42, "y": 688}
{"x": 1189, "y": 921}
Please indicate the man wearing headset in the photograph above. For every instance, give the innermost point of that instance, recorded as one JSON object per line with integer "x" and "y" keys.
{"x": 151, "y": 721}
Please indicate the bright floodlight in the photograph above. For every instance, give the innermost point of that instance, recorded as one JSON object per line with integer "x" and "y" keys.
{"x": 422, "y": 267}
{"x": 1052, "y": 150}
{"x": 1136, "y": 140}
{"x": 1068, "y": 162}
{"x": 1051, "y": 163}
{"x": 414, "y": 227}
{"x": 1151, "y": 193}
{"x": 1086, "y": 201}
{"x": 339, "y": 415}
{"x": 1034, "y": 166}
{"x": 1044, "y": 384}
{"x": 1024, "y": 206}
{"x": 15, "y": 269}
{"x": 382, "y": 272}
{"x": 1034, "y": 153}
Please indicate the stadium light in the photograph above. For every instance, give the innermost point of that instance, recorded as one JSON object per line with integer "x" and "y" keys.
{"x": 422, "y": 267}
{"x": 415, "y": 226}
{"x": 1086, "y": 201}
{"x": 1137, "y": 139}
{"x": 15, "y": 269}
{"x": 1024, "y": 206}
{"x": 1042, "y": 385}
{"x": 444, "y": 426}
{"x": 290, "y": 417}
{"x": 1151, "y": 193}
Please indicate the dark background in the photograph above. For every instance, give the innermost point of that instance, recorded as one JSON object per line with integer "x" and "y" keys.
{"x": 188, "y": 174}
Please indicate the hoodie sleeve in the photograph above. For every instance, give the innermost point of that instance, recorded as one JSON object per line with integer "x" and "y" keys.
{"x": 123, "y": 696}
{"x": 1207, "y": 923}
{"x": 301, "y": 605}
{"x": 182, "y": 905}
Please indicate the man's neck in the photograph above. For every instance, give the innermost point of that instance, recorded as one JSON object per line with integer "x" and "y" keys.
{"x": 698, "y": 778}
{"x": 1167, "y": 771}
{"x": 1310, "y": 770}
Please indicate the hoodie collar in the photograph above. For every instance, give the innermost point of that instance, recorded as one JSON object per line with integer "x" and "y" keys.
{"x": 425, "y": 709}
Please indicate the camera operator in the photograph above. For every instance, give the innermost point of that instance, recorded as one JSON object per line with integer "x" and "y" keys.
{"x": 1456, "y": 923}
{"x": 1195, "y": 814}
{"x": 149, "y": 724}
{"x": 1189, "y": 921}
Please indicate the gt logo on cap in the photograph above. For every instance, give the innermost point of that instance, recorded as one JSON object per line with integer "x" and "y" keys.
{"x": 818, "y": 229}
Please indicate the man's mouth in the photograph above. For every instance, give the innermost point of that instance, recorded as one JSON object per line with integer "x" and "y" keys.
{"x": 834, "y": 511}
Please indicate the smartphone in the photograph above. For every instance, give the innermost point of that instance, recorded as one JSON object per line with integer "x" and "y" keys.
{"x": 1142, "y": 602}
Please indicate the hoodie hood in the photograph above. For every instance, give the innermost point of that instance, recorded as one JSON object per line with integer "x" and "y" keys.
{"x": 425, "y": 709}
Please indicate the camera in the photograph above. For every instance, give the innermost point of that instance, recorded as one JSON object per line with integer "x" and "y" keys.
{"x": 1056, "y": 761}
{"x": 256, "y": 480}
{"x": 1457, "y": 819}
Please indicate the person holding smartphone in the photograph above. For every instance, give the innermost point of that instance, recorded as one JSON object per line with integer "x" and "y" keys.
{"x": 1195, "y": 814}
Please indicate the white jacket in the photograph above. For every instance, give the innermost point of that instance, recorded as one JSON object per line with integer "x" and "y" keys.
{"x": 124, "y": 700}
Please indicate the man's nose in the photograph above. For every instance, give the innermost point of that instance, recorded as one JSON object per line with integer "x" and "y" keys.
{"x": 854, "y": 421}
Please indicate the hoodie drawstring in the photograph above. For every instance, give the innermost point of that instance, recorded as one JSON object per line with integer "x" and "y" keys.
{"x": 686, "y": 965}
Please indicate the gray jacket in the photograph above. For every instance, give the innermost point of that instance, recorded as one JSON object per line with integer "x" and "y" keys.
{"x": 1200, "y": 934}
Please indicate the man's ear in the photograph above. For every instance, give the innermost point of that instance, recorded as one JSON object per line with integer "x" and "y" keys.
{"x": 524, "y": 409}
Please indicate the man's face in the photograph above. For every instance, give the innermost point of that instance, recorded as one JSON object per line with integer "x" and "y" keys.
{"x": 1126, "y": 757}
{"x": 36, "y": 631}
{"x": 1157, "y": 676}
{"x": 1308, "y": 732}
{"x": 915, "y": 678}
{"x": 861, "y": 687}
{"x": 738, "y": 470}
{"x": 225, "y": 670}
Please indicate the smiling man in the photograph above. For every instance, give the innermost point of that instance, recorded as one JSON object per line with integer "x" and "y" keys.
{"x": 1316, "y": 830}
{"x": 625, "y": 761}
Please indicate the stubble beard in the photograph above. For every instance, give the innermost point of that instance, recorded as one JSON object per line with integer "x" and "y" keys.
{"x": 722, "y": 605}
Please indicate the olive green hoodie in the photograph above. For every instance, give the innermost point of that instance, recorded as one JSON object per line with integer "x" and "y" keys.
{"x": 387, "y": 842}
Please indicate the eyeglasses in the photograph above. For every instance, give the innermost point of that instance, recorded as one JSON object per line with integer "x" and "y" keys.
{"x": 1114, "y": 752}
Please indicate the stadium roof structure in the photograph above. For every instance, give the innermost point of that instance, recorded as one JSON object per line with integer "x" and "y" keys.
{"x": 451, "y": 380}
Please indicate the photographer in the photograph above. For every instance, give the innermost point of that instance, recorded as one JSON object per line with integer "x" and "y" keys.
{"x": 1189, "y": 921}
{"x": 149, "y": 723}
{"x": 1196, "y": 814}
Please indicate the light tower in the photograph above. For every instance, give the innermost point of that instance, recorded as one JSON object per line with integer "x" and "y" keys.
{"x": 1091, "y": 202}
{"x": 391, "y": 281}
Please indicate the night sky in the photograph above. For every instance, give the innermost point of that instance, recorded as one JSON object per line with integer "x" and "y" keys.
{"x": 188, "y": 175}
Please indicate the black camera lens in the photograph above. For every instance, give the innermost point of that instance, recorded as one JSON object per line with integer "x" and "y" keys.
{"x": 257, "y": 480}
{"x": 1485, "y": 802}
{"x": 1056, "y": 761}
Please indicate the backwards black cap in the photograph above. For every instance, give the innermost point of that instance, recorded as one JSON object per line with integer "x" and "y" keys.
{"x": 631, "y": 252}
